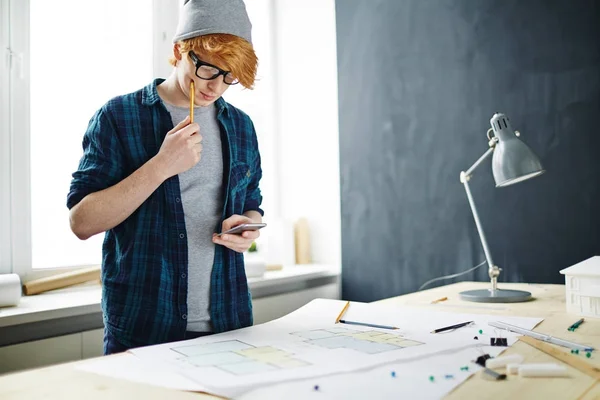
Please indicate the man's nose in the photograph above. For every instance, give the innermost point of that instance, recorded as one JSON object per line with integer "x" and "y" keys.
{"x": 216, "y": 85}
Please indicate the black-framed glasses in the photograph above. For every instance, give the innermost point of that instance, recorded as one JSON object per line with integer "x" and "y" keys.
{"x": 209, "y": 72}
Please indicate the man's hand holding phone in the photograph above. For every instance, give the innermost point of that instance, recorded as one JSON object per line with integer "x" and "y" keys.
{"x": 239, "y": 239}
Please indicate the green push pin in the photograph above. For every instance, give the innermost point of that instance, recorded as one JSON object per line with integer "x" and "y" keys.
{"x": 480, "y": 331}
{"x": 465, "y": 368}
{"x": 588, "y": 354}
{"x": 431, "y": 378}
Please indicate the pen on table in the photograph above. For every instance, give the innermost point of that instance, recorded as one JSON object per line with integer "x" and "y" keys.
{"x": 439, "y": 300}
{"x": 192, "y": 93}
{"x": 343, "y": 312}
{"x": 367, "y": 324}
{"x": 447, "y": 328}
{"x": 576, "y": 325}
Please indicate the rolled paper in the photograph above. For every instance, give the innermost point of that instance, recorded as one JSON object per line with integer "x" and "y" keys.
{"x": 61, "y": 280}
{"x": 10, "y": 290}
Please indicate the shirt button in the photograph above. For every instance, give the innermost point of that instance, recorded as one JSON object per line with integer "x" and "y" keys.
{"x": 184, "y": 316}
{"x": 177, "y": 199}
{"x": 181, "y": 236}
{"x": 183, "y": 275}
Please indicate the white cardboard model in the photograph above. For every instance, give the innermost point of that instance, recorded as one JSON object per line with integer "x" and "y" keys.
{"x": 582, "y": 283}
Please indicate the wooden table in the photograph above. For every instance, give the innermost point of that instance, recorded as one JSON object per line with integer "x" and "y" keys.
{"x": 548, "y": 303}
{"x": 64, "y": 382}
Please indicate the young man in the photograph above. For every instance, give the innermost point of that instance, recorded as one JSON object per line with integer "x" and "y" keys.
{"x": 161, "y": 187}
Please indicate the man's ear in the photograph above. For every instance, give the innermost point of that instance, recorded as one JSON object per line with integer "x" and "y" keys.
{"x": 177, "y": 52}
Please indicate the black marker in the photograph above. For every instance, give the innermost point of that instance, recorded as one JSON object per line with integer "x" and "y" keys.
{"x": 447, "y": 328}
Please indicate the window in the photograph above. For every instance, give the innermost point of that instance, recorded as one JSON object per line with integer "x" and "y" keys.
{"x": 64, "y": 60}
{"x": 574, "y": 283}
{"x": 76, "y": 66}
{"x": 259, "y": 103}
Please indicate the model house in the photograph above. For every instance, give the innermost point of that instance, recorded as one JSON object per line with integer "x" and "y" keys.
{"x": 582, "y": 282}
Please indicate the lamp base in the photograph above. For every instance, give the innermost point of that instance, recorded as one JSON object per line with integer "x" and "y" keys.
{"x": 495, "y": 296}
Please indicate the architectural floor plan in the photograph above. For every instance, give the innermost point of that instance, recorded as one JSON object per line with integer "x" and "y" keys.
{"x": 239, "y": 358}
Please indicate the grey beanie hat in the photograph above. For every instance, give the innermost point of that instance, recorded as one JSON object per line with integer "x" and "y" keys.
{"x": 202, "y": 17}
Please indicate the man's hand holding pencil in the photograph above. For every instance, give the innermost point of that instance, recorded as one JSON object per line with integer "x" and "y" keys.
{"x": 181, "y": 149}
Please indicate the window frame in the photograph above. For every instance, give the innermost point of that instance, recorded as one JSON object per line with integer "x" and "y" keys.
{"x": 5, "y": 238}
{"x": 15, "y": 250}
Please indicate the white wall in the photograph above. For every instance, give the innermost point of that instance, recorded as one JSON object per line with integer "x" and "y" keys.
{"x": 307, "y": 121}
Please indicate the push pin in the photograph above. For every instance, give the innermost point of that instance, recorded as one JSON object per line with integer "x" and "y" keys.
{"x": 316, "y": 387}
{"x": 465, "y": 368}
{"x": 393, "y": 374}
{"x": 431, "y": 378}
{"x": 476, "y": 338}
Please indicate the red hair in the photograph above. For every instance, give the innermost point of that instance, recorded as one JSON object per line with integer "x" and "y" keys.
{"x": 228, "y": 52}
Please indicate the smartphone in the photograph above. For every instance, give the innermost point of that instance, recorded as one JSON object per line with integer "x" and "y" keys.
{"x": 244, "y": 227}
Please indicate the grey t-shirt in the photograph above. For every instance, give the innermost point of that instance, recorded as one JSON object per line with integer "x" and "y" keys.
{"x": 202, "y": 199}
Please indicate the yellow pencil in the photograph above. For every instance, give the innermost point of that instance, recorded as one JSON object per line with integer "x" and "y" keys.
{"x": 192, "y": 91}
{"x": 439, "y": 300}
{"x": 337, "y": 320}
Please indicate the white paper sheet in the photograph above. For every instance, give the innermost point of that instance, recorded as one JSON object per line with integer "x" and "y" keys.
{"x": 308, "y": 344}
{"x": 129, "y": 367}
{"x": 408, "y": 380}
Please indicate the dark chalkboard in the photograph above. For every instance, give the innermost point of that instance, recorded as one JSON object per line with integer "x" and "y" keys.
{"x": 418, "y": 82}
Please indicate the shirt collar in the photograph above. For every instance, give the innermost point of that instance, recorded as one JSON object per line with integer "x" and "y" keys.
{"x": 150, "y": 97}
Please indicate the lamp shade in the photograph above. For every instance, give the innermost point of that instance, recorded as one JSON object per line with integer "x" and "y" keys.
{"x": 513, "y": 160}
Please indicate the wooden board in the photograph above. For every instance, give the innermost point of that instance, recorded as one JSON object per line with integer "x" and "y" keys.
{"x": 61, "y": 280}
{"x": 576, "y": 361}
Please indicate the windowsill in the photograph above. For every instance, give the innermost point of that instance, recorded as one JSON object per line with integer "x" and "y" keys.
{"x": 78, "y": 303}
{"x": 60, "y": 303}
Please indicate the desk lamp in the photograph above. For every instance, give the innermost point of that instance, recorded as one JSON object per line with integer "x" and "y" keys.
{"x": 513, "y": 162}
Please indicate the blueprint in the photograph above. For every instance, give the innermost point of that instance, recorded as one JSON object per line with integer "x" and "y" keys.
{"x": 308, "y": 344}
{"x": 238, "y": 358}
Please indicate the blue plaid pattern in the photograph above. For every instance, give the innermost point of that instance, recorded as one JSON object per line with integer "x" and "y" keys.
{"x": 144, "y": 259}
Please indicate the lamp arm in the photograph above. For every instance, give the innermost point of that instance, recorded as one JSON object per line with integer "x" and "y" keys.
{"x": 493, "y": 270}
{"x": 492, "y": 142}
{"x": 477, "y": 163}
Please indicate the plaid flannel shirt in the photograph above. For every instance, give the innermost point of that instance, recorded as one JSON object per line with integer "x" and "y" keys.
{"x": 145, "y": 258}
